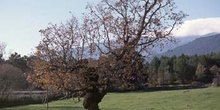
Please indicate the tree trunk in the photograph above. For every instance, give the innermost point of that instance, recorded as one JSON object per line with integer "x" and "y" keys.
{"x": 92, "y": 99}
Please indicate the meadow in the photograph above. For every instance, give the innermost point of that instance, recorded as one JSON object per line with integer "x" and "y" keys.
{"x": 191, "y": 99}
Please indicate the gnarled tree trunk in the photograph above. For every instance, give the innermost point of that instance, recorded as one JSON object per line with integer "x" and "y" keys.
{"x": 94, "y": 90}
{"x": 92, "y": 98}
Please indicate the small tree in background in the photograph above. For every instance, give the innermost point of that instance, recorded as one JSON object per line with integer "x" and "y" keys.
{"x": 2, "y": 51}
{"x": 153, "y": 71}
{"x": 216, "y": 71}
{"x": 200, "y": 72}
{"x": 11, "y": 79}
{"x": 182, "y": 69}
{"x": 165, "y": 71}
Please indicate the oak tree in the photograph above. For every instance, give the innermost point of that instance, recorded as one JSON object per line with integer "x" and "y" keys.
{"x": 122, "y": 31}
{"x": 128, "y": 28}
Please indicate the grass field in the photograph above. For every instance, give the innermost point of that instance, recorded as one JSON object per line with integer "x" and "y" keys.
{"x": 194, "y": 99}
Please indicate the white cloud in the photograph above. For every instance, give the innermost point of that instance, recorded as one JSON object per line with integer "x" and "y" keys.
{"x": 198, "y": 27}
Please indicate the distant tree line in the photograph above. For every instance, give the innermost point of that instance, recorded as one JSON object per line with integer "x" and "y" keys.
{"x": 183, "y": 69}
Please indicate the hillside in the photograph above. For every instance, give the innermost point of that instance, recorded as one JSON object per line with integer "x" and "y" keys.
{"x": 199, "y": 46}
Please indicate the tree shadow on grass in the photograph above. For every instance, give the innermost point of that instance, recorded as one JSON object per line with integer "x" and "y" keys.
{"x": 66, "y": 108}
{"x": 78, "y": 108}
{"x": 111, "y": 109}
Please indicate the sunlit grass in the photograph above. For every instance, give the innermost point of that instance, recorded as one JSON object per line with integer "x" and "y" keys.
{"x": 194, "y": 99}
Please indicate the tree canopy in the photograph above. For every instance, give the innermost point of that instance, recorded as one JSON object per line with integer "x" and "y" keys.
{"x": 122, "y": 32}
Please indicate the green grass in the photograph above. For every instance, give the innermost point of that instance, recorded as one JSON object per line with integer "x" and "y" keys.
{"x": 194, "y": 99}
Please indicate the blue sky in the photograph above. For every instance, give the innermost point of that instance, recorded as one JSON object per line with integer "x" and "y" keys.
{"x": 20, "y": 20}
{"x": 199, "y": 8}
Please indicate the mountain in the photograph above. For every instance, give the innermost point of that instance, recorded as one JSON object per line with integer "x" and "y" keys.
{"x": 188, "y": 45}
{"x": 179, "y": 42}
{"x": 202, "y": 45}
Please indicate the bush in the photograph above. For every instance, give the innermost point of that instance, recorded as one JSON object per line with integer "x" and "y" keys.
{"x": 25, "y": 97}
{"x": 216, "y": 82}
